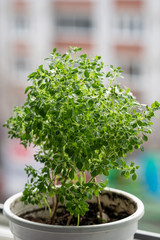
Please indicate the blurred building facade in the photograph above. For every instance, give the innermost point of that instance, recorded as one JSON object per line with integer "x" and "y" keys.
{"x": 125, "y": 33}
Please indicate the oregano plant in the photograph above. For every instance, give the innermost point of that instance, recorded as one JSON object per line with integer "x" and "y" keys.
{"x": 77, "y": 126}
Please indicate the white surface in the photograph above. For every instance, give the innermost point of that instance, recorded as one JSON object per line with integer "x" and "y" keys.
{"x": 5, "y": 233}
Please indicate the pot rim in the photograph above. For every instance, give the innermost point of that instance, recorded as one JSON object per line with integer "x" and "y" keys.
{"x": 85, "y": 228}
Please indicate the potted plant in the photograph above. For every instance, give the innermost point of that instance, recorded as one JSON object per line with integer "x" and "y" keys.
{"x": 81, "y": 130}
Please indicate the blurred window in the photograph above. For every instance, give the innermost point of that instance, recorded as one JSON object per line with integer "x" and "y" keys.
{"x": 20, "y": 65}
{"x": 73, "y": 23}
{"x": 129, "y": 25}
{"x": 21, "y": 24}
{"x": 21, "y": 68}
{"x": 132, "y": 71}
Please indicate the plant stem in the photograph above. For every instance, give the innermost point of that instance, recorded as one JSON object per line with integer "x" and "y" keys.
{"x": 78, "y": 218}
{"x": 50, "y": 211}
{"x": 54, "y": 207}
{"x": 84, "y": 177}
{"x": 69, "y": 220}
{"x": 80, "y": 177}
{"x": 91, "y": 179}
{"x": 99, "y": 206}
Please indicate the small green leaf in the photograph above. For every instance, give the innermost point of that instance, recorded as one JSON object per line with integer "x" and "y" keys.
{"x": 76, "y": 49}
{"x": 54, "y": 50}
{"x": 27, "y": 89}
{"x": 86, "y": 73}
{"x": 132, "y": 171}
{"x": 71, "y": 174}
{"x": 134, "y": 111}
{"x": 58, "y": 170}
{"x": 79, "y": 165}
{"x": 90, "y": 103}
{"x": 108, "y": 74}
{"x": 32, "y": 75}
{"x": 134, "y": 125}
{"x": 96, "y": 193}
{"x": 94, "y": 173}
{"x": 41, "y": 67}
{"x": 105, "y": 172}
{"x": 61, "y": 199}
{"x": 134, "y": 176}
{"x": 145, "y": 138}
{"x": 126, "y": 174}
{"x": 155, "y": 105}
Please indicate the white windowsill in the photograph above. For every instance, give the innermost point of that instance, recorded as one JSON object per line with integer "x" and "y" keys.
{"x": 5, "y": 233}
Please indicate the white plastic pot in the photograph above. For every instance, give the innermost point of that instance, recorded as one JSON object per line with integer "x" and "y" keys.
{"x": 123, "y": 229}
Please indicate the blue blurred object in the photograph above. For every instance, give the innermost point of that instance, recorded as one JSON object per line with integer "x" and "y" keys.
{"x": 151, "y": 175}
{"x": 151, "y": 168}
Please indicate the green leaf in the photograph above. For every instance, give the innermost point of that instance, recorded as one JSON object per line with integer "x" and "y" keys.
{"x": 111, "y": 67}
{"x": 54, "y": 50}
{"x": 132, "y": 171}
{"x": 134, "y": 125}
{"x": 61, "y": 199}
{"x": 134, "y": 176}
{"x": 71, "y": 174}
{"x": 79, "y": 165}
{"x": 90, "y": 102}
{"x": 83, "y": 55}
{"x": 126, "y": 174}
{"x": 155, "y": 105}
{"x": 140, "y": 123}
{"x": 41, "y": 67}
{"x": 108, "y": 74}
{"x": 105, "y": 172}
{"x": 86, "y": 73}
{"x": 27, "y": 89}
{"x": 76, "y": 49}
{"x": 145, "y": 138}
{"x": 134, "y": 111}
{"x": 96, "y": 193}
{"x": 103, "y": 185}
{"x": 94, "y": 173}
{"x": 32, "y": 75}
{"x": 58, "y": 169}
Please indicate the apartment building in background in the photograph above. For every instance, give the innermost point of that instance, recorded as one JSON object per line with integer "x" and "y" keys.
{"x": 125, "y": 33}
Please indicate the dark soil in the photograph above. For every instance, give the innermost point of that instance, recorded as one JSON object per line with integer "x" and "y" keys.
{"x": 62, "y": 216}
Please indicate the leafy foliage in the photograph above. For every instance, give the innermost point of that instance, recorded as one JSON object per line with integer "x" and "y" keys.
{"x": 78, "y": 126}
